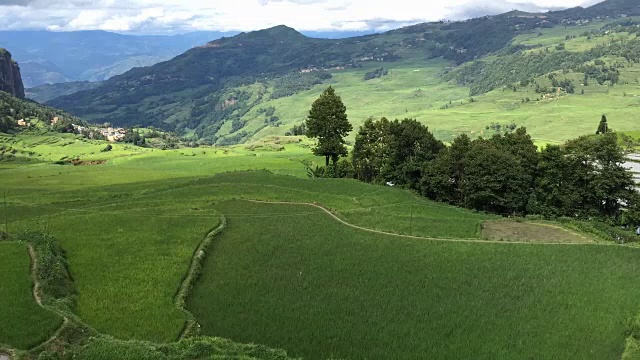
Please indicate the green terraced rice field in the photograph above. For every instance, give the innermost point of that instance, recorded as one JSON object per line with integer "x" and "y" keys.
{"x": 23, "y": 324}
{"x": 290, "y": 276}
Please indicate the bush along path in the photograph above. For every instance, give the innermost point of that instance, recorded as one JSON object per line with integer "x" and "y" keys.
{"x": 54, "y": 290}
{"x": 192, "y": 328}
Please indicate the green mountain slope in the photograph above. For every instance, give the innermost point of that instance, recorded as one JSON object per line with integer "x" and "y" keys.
{"x": 453, "y": 76}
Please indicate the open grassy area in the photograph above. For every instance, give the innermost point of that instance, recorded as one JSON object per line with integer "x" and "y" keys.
{"x": 417, "y": 91}
{"x": 290, "y": 276}
{"x": 23, "y": 324}
{"x": 130, "y": 226}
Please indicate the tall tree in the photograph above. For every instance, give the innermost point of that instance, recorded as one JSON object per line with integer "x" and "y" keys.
{"x": 493, "y": 179}
{"x": 411, "y": 145}
{"x": 443, "y": 178}
{"x": 327, "y": 122}
{"x": 369, "y": 152}
{"x": 601, "y": 181}
{"x": 603, "y": 127}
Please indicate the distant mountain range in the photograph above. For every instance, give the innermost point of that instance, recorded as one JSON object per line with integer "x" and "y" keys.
{"x": 51, "y": 57}
{"x": 55, "y": 57}
{"x": 232, "y": 89}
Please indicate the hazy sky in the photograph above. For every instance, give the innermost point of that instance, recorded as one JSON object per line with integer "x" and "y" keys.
{"x": 189, "y": 15}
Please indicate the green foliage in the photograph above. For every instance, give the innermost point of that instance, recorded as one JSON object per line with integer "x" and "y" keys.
{"x": 105, "y": 348}
{"x": 56, "y": 284}
{"x": 504, "y": 174}
{"x": 295, "y": 82}
{"x": 377, "y": 73}
{"x": 327, "y": 122}
{"x": 133, "y": 137}
{"x": 13, "y": 109}
{"x": 341, "y": 169}
{"x": 603, "y": 127}
{"x": 297, "y": 130}
{"x": 394, "y": 151}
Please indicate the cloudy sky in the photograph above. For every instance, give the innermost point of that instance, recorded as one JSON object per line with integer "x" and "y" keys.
{"x": 160, "y": 16}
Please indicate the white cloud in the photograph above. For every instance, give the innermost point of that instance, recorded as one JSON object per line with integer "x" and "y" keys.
{"x": 180, "y": 15}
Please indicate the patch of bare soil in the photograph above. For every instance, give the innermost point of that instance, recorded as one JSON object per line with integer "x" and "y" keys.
{"x": 530, "y": 232}
{"x": 78, "y": 162}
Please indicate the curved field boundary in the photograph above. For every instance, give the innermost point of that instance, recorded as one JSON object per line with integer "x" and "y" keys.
{"x": 191, "y": 326}
{"x": 479, "y": 241}
{"x": 36, "y": 295}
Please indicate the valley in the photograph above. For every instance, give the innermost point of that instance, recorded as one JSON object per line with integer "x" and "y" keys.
{"x": 444, "y": 190}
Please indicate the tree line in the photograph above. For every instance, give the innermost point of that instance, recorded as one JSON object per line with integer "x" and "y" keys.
{"x": 504, "y": 174}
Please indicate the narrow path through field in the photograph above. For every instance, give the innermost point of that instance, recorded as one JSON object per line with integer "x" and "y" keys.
{"x": 192, "y": 276}
{"x": 36, "y": 294}
{"x": 34, "y": 277}
{"x": 480, "y": 241}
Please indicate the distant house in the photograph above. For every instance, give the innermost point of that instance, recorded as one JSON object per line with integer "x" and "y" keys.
{"x": 54, "y": 120}
{"x": 22, "y": 122}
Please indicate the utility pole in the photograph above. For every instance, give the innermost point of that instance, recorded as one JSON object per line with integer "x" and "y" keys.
{"x": 411, "y": 221}
{"x": 6, "y": 215}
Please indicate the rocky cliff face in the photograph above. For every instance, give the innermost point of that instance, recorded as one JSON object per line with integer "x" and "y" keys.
{"x": 10, "y": 79}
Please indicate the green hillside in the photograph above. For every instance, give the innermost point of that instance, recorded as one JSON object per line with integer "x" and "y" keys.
{"x": 549, "y": 72}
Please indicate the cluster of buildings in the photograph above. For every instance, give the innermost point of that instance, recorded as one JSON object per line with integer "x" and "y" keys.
{"x": 111, "y": 134}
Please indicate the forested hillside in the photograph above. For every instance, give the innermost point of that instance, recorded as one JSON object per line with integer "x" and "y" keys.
{"x": 260, "y": 83}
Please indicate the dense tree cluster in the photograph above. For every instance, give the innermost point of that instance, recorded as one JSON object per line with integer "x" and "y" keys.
{"x": 295, "y": 82}
{"x": 485, "y": 75}
{"x": 134, "y": 137}
{"x": 505, "y": 174}
{"x": 377, "y": 73}
{"x": 297, "y": 130}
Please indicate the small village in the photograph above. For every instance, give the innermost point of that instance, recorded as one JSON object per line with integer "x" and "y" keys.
{"x": 109, "y": 133}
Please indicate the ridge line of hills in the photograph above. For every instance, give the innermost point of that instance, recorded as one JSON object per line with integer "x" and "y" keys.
{"x": 235, "y": 89}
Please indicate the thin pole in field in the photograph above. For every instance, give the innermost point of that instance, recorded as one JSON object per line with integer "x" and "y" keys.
{"x": 6, "y": 214}
{"x": 411, "y": 221}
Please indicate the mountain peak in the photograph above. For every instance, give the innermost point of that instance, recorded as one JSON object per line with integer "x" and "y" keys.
{"x": 280, "y": 32}
{"x": 273, "y": 35}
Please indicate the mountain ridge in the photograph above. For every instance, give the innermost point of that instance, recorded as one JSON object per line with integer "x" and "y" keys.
{"x": 213, "y": 92}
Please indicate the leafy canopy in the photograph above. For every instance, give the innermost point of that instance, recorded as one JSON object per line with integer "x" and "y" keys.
{"x": 327, "y": 122}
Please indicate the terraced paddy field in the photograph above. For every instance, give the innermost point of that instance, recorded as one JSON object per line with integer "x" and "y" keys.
{"x": 385, "y": 275}
{"x": 330, "y": 290}
{"x": 23, "y": 324}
